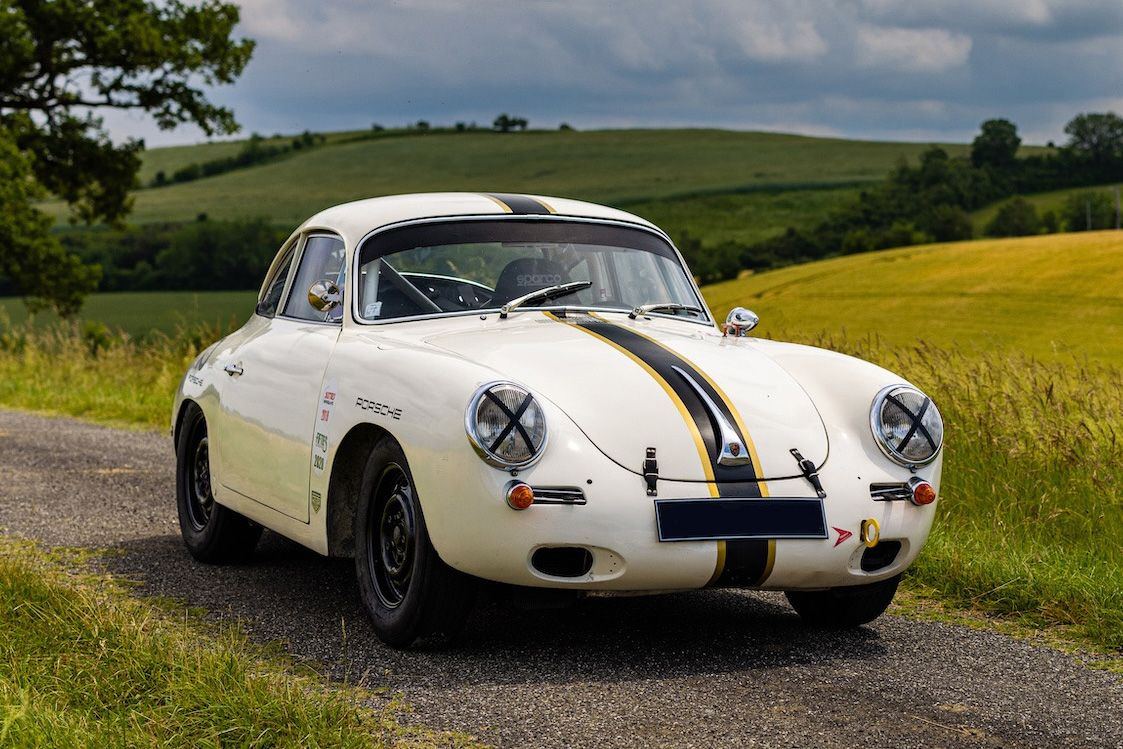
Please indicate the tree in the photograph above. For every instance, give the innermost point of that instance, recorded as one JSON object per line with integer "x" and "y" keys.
{"x": 61, "y": 61}
{"x": 996, "y": 145}
{"x": 1098, "y": 137}
{"x": 504, "y": 123}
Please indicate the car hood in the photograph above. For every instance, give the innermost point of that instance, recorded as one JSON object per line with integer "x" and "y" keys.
{"x": 677, "y": 387}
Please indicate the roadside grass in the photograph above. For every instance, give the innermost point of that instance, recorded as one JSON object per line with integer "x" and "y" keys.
{"x": 87, "y": 665}
{"x": 1031, "y": 507}
{"x": 84, "y": 370}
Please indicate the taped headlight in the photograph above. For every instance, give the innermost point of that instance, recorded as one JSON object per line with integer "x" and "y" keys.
{"x": 907, "y": 425}
{"x": 506, "y": 425}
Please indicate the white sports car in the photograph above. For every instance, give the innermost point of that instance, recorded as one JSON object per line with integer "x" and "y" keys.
{"x": 528, "y": 390}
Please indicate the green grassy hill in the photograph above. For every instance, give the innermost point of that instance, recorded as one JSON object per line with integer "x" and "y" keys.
{"x": 1053, "y": 297}
{"x": 717, "y": 184}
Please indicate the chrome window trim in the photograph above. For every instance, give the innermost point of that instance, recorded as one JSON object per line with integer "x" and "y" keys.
{"x": 303, "y": 242}
{"x": 353, "y": 272}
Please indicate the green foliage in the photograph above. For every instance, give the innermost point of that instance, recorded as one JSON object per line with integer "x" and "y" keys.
{"x": 1016, "y": 218}
{"x": 1099, "y": 137}
{"x": 996, "y": 145}
{"x": 1089, "y": 211}
{"x": 202, "y": 255}
{"x": 30, "y": 259}
{"x": 504, "y": 123}
{"x": 218, "y": 255}
{"x": 66, "y": 56}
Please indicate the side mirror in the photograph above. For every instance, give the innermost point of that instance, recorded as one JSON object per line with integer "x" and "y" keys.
{"x": 324, "y": 296}
{"x": 740, "y": 322}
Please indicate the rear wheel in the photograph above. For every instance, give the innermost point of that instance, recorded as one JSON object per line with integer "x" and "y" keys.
{"x": 211, "y": 532}
{"x": 844, "y": 607}
{"x": 408, "y": 591}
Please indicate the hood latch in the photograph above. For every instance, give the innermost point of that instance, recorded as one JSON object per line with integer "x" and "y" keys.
{"x": 810, "y": 472}
{"x": 651, "y": 472}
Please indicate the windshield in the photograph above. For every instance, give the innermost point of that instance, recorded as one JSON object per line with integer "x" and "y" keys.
{"x": 450, "y": 268}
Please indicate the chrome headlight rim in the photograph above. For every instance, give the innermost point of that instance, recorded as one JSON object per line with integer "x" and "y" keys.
{"x": 479, "y": 444}
{"x": 877, "y": 426}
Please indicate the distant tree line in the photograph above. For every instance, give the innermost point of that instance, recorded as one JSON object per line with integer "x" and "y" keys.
{"x": 258, "y": 150}
{"x": 201, "y": 255}
{"x": 930, "y": 202}
{"x": 255, "y": 151}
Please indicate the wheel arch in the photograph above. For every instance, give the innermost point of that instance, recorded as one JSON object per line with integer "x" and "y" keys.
{"x": 344, "y": 485}
{"x": 178, "y": 425}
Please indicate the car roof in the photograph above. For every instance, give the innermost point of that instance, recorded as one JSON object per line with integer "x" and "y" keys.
{"x": 355, "y": 220}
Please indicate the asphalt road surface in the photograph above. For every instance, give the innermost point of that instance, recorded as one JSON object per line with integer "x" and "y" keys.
{"x": 707, "y": 669}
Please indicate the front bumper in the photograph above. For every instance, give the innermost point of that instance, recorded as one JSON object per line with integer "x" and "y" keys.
{"x": 475, "y": 531}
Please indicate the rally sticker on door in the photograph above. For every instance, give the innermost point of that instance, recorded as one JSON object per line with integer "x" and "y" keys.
{"x": 323, "y": 416}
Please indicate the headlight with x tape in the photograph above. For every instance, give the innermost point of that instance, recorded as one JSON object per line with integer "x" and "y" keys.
{"x": 506, "y": 425}
{"x": 907, "y": 425}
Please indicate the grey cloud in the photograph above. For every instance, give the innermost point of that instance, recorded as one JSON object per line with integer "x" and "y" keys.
{"x": 858, "y": 68}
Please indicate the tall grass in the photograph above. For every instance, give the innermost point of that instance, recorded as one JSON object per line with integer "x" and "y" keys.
{"x": 86, "y": 665}
{"x": 1031, "y": 510}
{"x": 88, "y": 371}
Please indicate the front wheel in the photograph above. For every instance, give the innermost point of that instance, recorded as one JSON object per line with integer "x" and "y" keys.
{"x": 407, "y": 590}
{"x": 844, "y": 607}
{"x": 211, "y": 532}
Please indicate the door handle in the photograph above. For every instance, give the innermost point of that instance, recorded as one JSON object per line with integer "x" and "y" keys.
{"x": 232, "y": 369}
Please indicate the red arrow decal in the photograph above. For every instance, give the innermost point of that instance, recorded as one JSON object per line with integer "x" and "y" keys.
{"x": 842, "y": 535}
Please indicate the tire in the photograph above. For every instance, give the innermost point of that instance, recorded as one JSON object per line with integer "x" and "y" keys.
{"x": 840, "y": 608}
{"x": 211, "y": 532}
{"x": 408, "y": 592}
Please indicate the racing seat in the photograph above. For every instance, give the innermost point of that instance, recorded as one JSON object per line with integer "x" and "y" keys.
{"x": 524, "y": 275}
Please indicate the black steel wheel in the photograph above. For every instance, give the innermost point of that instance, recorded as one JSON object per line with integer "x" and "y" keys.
{"x": 396, "y": 544}
{"x": 840, "y": 608}
{"x": 407, "y": 590}
{"x": 211, "y": 532}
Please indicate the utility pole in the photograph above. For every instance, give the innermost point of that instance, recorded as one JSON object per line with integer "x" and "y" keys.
{"x": 1117, "y": 216}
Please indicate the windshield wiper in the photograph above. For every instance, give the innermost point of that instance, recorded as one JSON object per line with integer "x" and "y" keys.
{"x": 541, "y": 295}
{"x": 643, "y": 309}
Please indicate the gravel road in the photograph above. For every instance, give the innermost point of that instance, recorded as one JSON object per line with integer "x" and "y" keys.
{"x": 707, "y": 669}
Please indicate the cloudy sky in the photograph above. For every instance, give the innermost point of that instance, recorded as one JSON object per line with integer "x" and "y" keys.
{"x": 919, "y": 70}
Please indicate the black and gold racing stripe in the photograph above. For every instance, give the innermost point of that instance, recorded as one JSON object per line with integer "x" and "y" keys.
{"x": 740, "y": 562}
{"x": 520, "y": 204}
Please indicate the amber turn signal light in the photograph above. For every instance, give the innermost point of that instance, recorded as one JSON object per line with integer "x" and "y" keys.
{"x": 922, "y": 492}
{"x": 520, "y": 496}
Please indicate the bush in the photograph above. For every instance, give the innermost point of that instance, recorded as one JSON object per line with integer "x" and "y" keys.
{"x": 1017, "y": 218}
{"x": 1089, "y": 211}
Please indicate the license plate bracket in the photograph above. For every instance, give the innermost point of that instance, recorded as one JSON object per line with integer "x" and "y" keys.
{"x": 727, "y": 519}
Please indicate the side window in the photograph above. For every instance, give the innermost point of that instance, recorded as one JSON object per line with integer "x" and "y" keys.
{"x": 322, "y": 259}
{"x": 275, "y": 282}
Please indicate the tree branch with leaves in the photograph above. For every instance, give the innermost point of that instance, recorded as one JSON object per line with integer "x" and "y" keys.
{"x": 60, "y": 62}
